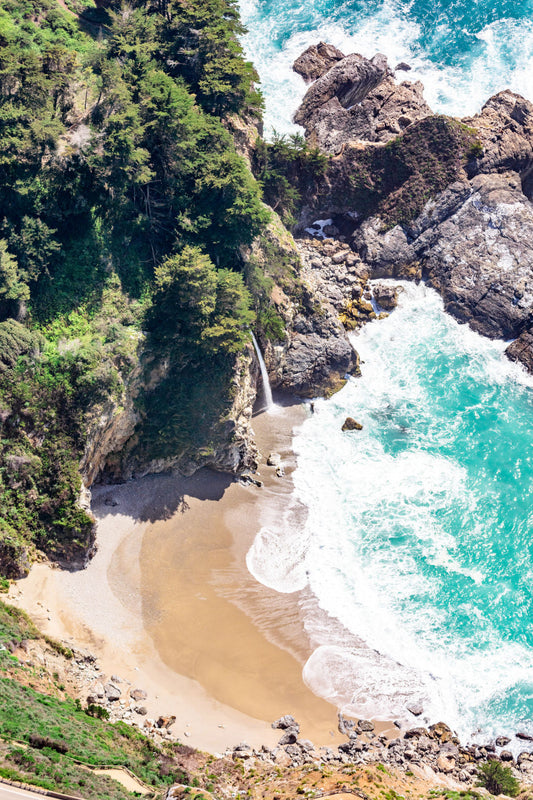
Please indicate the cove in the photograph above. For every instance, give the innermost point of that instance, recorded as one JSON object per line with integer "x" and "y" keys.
{"x": 417, "y": 541}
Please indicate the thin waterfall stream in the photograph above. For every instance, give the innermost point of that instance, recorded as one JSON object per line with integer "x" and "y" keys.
{"x": 264, "y": 375}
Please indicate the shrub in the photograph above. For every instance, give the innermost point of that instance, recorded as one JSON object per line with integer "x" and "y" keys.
{"x": 498, "y": 779}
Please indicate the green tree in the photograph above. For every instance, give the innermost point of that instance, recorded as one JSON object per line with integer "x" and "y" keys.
{"x": 498, "y": 779}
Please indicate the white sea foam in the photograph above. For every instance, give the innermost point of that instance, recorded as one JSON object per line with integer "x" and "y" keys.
{"x": 504, "y": 60}
{"x": 376, "y": 549}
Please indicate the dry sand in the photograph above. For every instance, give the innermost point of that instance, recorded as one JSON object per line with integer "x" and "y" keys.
{"x": 168, "y": 603}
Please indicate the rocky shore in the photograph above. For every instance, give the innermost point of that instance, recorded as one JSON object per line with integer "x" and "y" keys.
{"x": 411, "y": 194}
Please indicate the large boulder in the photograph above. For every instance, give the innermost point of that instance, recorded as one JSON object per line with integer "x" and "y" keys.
{"x": 505, "y": 130}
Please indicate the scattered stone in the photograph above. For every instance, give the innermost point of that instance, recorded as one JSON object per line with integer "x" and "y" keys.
{"x": 506, "y": 755}
{"x": 142, "y": 710}
{"x": 112, "y": 692}
{"x": 274, "y": 460}
{"x": 525, "y": 737}
{"x": 416, "y": 709}
{"x": 138, "y": 694}
{"x": 350, "y": 424}
{"x": 285, "y": 722}
{"x": 402, "y": 67}
{"x": 415, "y": 733}
{"x": 166, "y": 722}
{"x": 446, "y": 763}
{"x": 364, "y": 724}
{"x": 501, "y": 741}
{"x": 289, "y": 737}
{"x": 280, "y": 471}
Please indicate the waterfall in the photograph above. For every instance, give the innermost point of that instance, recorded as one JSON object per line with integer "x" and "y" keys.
{"x": 264, "y": 375}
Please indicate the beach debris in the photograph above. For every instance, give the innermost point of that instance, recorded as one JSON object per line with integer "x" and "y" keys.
{"x": 350, "y": 424}
{"x": 274, "y": 460}
{"x": 287, "y": 721}
{"x": 416, "y": 709}
{"x": 246, "y": 478}
{"x": 138, "y": 694}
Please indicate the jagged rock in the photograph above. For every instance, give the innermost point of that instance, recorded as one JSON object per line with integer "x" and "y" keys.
{"x": 316, "y": 60}
{"x": 357, "y": 99}
{"x": 522, "y": 350}
{"x": 112, "y": 692}
{"x": 416, "y": 709}
{"x": 350, "y": 424}
{"x": 475, "y": 243}
{"x": 442, "y": 732}
{"x": 402, "y": 67}
{"x": 347, "y": 82}
{"x": 364, "y": 724}
{"x": 285, "y": 722}
{"x": 346, "y": 726}
{"x": 289, "y": 737}
{"x": 415, "y": 733}
{"x": 138, "y": 694}
{"x": 280, "y": 471}
{"x": 505, "y": 129}
{"x": 445, "y": 763}
{"x": 98, "y": 690}
{"x": 387, "y": 297}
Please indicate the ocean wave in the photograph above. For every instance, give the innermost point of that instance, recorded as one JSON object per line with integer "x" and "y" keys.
{"x": 416, "y": 539}
{"x": 461, "y": 66}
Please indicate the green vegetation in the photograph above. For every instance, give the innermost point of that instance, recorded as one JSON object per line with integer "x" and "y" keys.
{"x": 15, "y": 625}
{"x": 397, "y": 180}
{"x": 122, "y": 202}
{"x": 498, "y": 779}
{"x": 288, "y": 168}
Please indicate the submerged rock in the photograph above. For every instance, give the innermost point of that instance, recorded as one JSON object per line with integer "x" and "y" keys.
{"x": 350, "y": 424}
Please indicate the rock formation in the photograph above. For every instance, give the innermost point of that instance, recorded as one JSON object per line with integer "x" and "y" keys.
{"x": 358, "y": 99}
{"x": 450, "y": 202}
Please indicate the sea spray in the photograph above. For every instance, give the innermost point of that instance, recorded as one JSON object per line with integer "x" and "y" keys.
{"x": 416, "y": 545}
{"x": 267, "y": 390}
{"x": 462, "y": 55}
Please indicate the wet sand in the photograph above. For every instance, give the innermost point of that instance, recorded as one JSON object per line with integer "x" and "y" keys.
{"x": 168, "y": 603}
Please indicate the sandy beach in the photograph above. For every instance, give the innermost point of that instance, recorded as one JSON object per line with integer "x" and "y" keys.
{"x": 168, "y": 604}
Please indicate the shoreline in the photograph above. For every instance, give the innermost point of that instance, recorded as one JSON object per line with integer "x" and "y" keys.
{"x": 167, "y": 603}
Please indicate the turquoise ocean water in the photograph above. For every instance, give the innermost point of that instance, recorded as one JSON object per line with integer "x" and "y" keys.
{"x": 462, "y": 50}
{"x": 416, "y": 557}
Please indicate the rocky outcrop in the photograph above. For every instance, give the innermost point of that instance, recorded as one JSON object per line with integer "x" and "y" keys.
{"x": 358, "y": 99}
{"x": 316, "y": 60}
{"x": 474, "y": 244}
{"x": 505, "y": 130}
{"x": 315, "y": 354}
